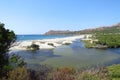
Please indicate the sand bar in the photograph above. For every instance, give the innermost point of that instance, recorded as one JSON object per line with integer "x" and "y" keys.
{"x": 45, "y": 43}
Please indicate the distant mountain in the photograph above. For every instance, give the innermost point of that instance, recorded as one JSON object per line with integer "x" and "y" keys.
{"x": 104, "y": 29}
{"x": 57, "y": 32}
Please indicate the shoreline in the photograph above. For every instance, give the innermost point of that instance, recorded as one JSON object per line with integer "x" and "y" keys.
{"x": 46, "y": 43}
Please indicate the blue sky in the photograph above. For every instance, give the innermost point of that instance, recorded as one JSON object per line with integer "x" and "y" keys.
{"x": 39, "y": 16}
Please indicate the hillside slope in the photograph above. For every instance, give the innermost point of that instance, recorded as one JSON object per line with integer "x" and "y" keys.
{"x": 106, "y": 29}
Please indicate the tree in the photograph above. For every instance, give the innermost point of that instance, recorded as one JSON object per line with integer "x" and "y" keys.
{"x": 7, "y": 37}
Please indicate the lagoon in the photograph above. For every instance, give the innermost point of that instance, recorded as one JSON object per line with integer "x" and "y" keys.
{"x": 73, "y": 55}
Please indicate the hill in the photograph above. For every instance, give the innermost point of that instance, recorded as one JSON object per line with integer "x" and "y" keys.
{"x": 57, "y": 32}
{"x": 104, "y": 29}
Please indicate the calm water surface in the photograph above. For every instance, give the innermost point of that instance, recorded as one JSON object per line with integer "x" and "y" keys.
{"x": 74, "y": 55}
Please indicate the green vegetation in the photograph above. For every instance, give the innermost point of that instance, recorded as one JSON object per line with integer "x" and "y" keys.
{"x": 19, "y": 73}
{"x": 67, "y": 43}
{"x": 110, "y": 40}
{"x": 16, "y": 61}
{"x": 114, "y": 72}
{"x": 88, "y": 44}
{"x": 33, "y": 47}
{"x": 51, "y": 44}
{"x": 7, "y": 62}
{"x": 105, "y": 30}
{"x": 104, "y": 41}
{"x": 65, "y": 73}
{"x": 7, "y": 37}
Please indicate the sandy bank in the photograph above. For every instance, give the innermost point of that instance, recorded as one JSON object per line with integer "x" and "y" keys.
{"x": 45, "y": 43}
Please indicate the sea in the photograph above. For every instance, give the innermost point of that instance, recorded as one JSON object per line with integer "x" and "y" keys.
{"x": 38, "y": 37}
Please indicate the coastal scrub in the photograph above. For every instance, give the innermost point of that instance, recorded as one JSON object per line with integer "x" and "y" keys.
{"x": 33, "y": 47}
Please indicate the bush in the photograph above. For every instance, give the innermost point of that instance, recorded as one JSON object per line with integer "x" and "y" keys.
{"x": 20, "y": 73}
{"x": 63, "y": 74}
{"x": 110, "y": 40}
{"x": 93, "y": 74}
{"x": 41, "y": 74}
{"x": 88, "y": 44}
{"x": 114, "y": 71}
{"x": 51, "y": 44}
{"x": 16, "y": 61}
{"x": 67, "y": 43}
{"x": 33, "y": 47}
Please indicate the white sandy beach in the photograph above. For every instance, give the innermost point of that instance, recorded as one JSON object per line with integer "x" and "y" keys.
{"x": 45, "y": 43}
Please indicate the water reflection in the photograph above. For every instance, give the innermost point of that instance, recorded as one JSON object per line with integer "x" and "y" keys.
{"x": 37, "y": 56}
{"x": 76, "y": 55}
{"x": 117, "y": 50}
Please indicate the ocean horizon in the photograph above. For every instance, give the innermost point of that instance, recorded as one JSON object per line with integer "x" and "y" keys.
{"x": 37, "y": 37}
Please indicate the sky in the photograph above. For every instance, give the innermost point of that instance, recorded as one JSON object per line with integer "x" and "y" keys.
{"x": 40, "y": 16}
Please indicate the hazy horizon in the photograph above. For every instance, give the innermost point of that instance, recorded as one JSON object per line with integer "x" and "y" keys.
{"x": 40, "y": 16}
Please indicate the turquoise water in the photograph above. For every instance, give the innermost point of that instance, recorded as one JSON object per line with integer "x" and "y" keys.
{"x": 74, "y": 55}
{"x": 36, "y": 37}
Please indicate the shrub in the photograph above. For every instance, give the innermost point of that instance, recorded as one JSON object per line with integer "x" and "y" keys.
{"x": 33, "y": 47}
{"x": 67, "y": 43}
{"x": 16, "y": 61}
{"x": 20, "y": 73}
{"x": 114, "y": 71}
{"x": 51, "y": 44}
{"x": 63, "y": 74}
{"x": 93, "y": 74}
{"x": 41, "y": 74}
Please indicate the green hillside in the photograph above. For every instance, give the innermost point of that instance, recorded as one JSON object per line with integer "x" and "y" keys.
{"x": 110, "y": 29}
{"x": 107, "y": 29}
